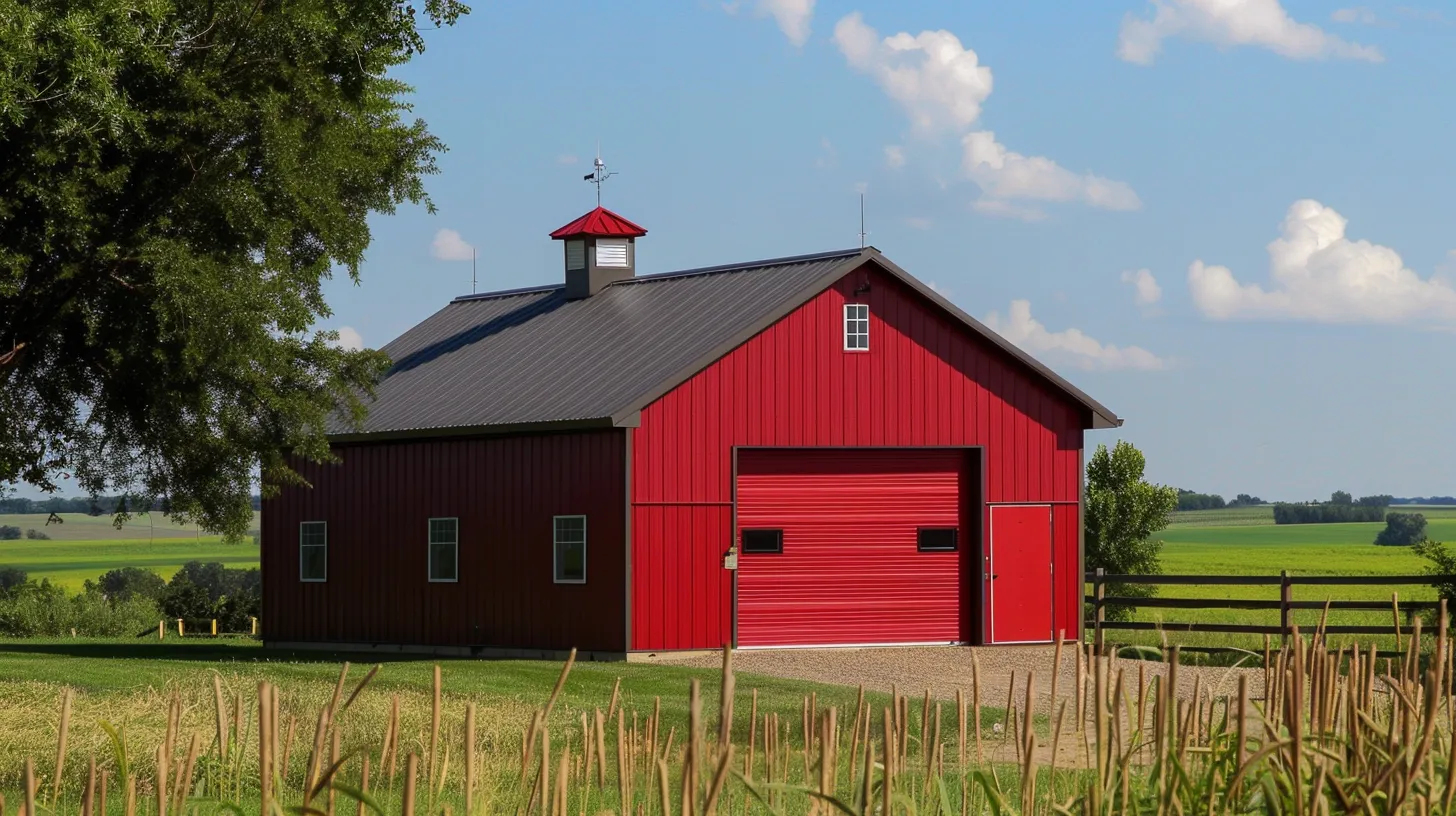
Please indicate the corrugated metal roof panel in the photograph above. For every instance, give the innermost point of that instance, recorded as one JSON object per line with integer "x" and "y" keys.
{"x": 532, "y": 356}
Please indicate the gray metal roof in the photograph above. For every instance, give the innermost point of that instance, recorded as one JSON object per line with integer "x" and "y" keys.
{"x": 531, "y": 358}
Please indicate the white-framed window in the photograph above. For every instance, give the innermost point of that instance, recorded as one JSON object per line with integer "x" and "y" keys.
{"x": 444, "y": 552}
{"x": 856, "y": 327}
{"x": 568, "y": 549}
{"x": 313, "y": 551}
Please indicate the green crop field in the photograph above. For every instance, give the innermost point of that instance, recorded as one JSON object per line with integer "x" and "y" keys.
{"x": 81, "y": 527}
{"x": 1301, "y": 549}
{"x": 86, "y": 546}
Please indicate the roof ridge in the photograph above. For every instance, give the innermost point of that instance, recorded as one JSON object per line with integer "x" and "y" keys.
{"x": 734, "y": 267}
{"x": 701, "y": 270}
{"x": 524, "y": 290}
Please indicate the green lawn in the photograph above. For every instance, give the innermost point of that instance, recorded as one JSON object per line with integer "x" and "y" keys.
{"x": 1301, "y": 549}
{"x": 71, "y": 563}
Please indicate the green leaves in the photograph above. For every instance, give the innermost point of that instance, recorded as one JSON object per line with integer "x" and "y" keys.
{"x": 1123, "y": 513}
{"x": 181, "y": 178}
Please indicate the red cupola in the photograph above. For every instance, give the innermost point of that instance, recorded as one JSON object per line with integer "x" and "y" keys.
{"x": 600, "y": 250}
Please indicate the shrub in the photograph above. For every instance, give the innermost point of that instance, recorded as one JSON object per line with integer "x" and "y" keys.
{"x": 9, "y": 532}
{"x": 36, "y": 535}
{"x": 11, "y": 577}
{"x": 1402, "y": 530}
{"x": 204, "y": 591}
{"x": 131, "y": 582}
{"x": 42, "y": 609}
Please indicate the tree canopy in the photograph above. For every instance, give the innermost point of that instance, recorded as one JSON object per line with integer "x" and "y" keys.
{"x": 1123, "y": 512}
{"x": 179, "y": 179}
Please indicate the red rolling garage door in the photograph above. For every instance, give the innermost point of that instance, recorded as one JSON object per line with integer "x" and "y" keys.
{"x": 850, "y": 547}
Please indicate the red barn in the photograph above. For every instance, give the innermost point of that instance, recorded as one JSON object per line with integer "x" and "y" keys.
{"x": 816, "y": 450}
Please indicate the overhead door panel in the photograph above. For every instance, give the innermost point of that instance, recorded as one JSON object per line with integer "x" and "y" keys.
{"x": 850, "y": 547}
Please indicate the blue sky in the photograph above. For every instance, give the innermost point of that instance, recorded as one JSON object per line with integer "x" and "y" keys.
{"x": 1231, "y": 222}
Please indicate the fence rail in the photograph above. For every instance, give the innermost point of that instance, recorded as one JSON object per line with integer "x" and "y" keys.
{"x": 1099, "y": 600}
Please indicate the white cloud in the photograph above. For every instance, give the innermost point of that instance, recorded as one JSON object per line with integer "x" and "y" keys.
{"x": 449, "y": 246}
{"x": 1006, "y": 174}
{"x": 566, "y": 158}
{"x": 1317, "y": 274}
{"x": 1357, "y": 14}
{"x": 939, "y": 82}
{"x": 1070, "y": 345}
{"x": 1227, "y": 23}
{"x": 793, "y": 16}
{"x": 349, "y": 339}
{"x": 828, "y": 156}
{"x": 1004, "y": 209}
{"x": 918, "y": 223}
{"x": 1148, "y": 291}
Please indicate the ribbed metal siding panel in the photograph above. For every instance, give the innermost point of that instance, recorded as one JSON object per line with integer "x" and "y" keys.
{"x": 926, "y": 380}
{"x": 504, "y": 491}
{"x": 850, "y": 571}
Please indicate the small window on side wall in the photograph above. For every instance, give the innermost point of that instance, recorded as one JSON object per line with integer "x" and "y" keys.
{"x": 444, "y": 552}
{"x": 569, "y": 549}
{"x": 763, "y": 541}
{"x": 856, "y": 327}
{"x": 936, "y": 539}
{"x": 313, "y": 551}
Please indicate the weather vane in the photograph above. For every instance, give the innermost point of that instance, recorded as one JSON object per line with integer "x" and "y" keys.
{"x": 598, "y": 174}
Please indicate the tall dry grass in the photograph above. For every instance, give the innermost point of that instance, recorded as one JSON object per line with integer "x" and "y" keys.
{"x": 1329, "y": 730}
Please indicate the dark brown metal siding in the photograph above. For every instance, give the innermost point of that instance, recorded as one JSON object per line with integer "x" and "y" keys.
{"x": 505, "y": 491}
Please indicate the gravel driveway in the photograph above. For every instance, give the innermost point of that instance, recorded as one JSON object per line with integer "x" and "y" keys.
{"x": 944, "y": 669}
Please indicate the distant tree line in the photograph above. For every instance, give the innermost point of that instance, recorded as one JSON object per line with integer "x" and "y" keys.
{"x": 90, "y": 505}
{"x": 1190, "y": 500}
{"x": 1426, "y": 500}
{"x": 1340, "y": 509}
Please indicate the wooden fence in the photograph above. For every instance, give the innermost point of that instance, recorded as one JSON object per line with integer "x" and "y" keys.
{"x": 1284, "y": 602}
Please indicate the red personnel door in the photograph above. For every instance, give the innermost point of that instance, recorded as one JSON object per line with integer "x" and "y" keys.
{"x": 842, "y": 547}
{"x": 1020, "y": 564}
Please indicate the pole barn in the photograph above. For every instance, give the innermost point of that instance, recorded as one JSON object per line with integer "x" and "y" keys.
{"x": 809, "y": 451}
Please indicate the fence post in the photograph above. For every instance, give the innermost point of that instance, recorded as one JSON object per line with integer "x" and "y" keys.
{"x": 161, "y": 630}
{"x": 180, "y": 633}
{"x": 1286, "y": 596}
{"x": 1099, "y": 589}
{"x": 214, "y": 627}
{"x": 255, "y": 626}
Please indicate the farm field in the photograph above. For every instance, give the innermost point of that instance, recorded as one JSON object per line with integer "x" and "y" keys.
{"x": 1302, "y": 549}
{"x": 81, "y": 527}
{"x": 70, "y": 564}
{"x": 1263, "y": 514}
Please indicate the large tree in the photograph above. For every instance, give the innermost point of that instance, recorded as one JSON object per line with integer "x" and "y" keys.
{"x": 179, "y": 177}
{"x": 1123, "y": 513}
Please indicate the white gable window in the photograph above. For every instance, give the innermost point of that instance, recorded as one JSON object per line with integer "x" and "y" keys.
{"x": 856, "y": 327}
{"x": 313, "y": 551}
{"x": 612, "y": 252}
{"x": 576, "y": 254}
{"x": 569, "y": 549}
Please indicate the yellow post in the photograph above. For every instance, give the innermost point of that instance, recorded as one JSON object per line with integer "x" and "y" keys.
{"x": 179, "y": 627}
{"x": 161, "y": 630}
{"x": 214, "y": 627}
{"x": 255, "y": 626}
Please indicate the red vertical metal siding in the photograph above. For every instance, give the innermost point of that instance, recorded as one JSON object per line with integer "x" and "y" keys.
{"x": 850, "y": 571}
{"x": 504, "y": 491}
{"x": 926, "y": 380}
